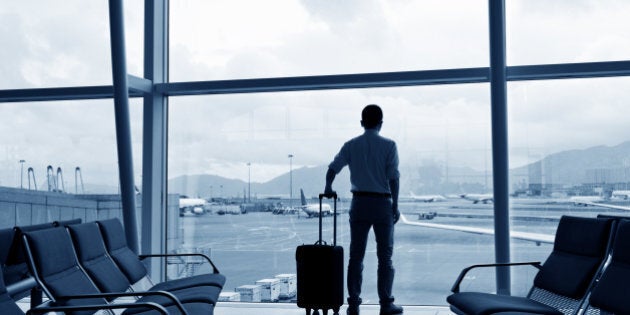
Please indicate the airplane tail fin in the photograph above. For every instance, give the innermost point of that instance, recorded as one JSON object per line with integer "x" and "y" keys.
{"x": 302, "y": 197}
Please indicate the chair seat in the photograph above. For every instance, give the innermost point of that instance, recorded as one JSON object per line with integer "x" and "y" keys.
{"x": 209, "y": 279}
{"x": 191, "y": 308}
{"x": 477, "y": 303}
{"x": 203, "y": 294}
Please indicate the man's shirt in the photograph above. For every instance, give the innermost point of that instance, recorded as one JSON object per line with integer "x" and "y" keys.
{"x": 372, "y": 159}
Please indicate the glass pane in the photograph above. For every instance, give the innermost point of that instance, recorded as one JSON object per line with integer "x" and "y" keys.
{"x": 64, "y": 43}
{"x": 568, "y": 148}
{"x": 134, "y": 36}
{"x": 215, "y": 40}
{"x": 543, "y": 32}
{"x": 59, "y": 161}
{"x": 240, "y": 162}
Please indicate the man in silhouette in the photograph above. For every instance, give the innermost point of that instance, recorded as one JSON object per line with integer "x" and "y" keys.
{"x": 374, "y": 175}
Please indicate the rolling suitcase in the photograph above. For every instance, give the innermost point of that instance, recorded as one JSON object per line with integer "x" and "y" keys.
{"x": 320, "y": 270}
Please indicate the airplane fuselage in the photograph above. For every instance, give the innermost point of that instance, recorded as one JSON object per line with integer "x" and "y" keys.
{"x": 477, "y": 198}
{"x": 312, "y": 210}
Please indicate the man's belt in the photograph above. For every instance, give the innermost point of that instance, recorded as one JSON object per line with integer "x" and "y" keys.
{"x": 371, "y": 194}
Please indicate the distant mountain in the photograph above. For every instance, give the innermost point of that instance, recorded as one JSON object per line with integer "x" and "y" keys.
{"x": 572, "y": 167}
{"x": 311, "y": 179}
{"x": 568, "y": 167}
{"x": 206, "y": 186}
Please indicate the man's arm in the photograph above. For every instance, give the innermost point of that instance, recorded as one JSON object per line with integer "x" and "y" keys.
{"x": 394, "y": 186}
{"x": 330, "y": 177}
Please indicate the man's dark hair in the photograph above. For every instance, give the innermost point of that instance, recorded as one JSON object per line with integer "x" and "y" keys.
{"x": 371, "y": 116}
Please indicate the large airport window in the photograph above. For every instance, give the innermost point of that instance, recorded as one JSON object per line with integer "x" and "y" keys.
{"x": 216, "y": 40}
{"x": 569, "y": 155}
{"x": 244, "y": 170}
{"x": 540, "y": 32}
{"x": 59, "y": 161}
{"x": 48, "y": 44}
{"x": 240, "y": 163}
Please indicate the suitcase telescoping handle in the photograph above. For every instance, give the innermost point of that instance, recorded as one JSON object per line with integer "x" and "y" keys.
{"x": 332, "y": 195}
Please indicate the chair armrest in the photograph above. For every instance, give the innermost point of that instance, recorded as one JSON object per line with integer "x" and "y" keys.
{"x": 46, "y": 309}
{"x": 462, "y": 274}
{"x": 214, "y": 268}
{"x": 23, "y": 285}
{"x": 168, "y": 295}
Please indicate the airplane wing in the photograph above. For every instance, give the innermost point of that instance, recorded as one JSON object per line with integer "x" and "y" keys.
{"x": 533, "y": 237}
{"x": 604, "y": 205}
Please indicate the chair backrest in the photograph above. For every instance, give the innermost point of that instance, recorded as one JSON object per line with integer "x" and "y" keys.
{"x": 579, "y": 253}
{"x": 17, "y": 255}
{"x": 7, "y": 305}
{"x": 90, "y": 249}
{"x": 9, "y": 271}
{"x": 67, "y": 222}
{"x": 611, "y": 294}
{"x": 14, "y": 267}
{"x": 54, "y": 265}
{"x": 6, "y": 239}
{"x": 116, "y": 244}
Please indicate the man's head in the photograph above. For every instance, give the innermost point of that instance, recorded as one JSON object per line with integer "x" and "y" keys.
{"x": 372, "y": 117}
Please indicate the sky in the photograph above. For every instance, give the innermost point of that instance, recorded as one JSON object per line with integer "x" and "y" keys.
{"x": 67, "y": 44}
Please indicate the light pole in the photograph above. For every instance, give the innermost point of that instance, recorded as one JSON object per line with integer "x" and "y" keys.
{"x": 249, "y": 182}
{"x": 22, "y": 174}
{"x": 290, "y": 180}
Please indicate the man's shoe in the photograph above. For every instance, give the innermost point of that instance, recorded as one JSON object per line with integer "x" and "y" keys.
{"x": 391, "y": 309}
{"x": 352, "y": 310}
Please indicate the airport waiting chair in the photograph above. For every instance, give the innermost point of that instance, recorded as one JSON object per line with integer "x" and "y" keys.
{"x": 611, "y": 294}
{"x": 14, "y": 265}
{"x": 9, "y": 307}
{"x": 14, "y": 268}
{"x": 132, "y": 266}
{"x": 54, "y": 265}
{"x": 562, "y": 282}
{"x": 93, "y": 257}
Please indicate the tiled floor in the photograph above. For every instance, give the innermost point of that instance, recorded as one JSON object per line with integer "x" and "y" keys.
{"x": 234, "y": 308}
{"x": 238, "y": 308}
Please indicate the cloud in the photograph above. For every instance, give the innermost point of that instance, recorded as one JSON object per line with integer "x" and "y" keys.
{"x": 68, "y": 44}
{"x": 543, "y": 32}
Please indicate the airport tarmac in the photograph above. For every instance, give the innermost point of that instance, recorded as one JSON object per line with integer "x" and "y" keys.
{"x": 259, "y": 245}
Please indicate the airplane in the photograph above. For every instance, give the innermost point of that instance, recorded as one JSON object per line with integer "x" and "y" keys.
{"x": 596, "y": 201}
{"x": 312, "y": 209}
{"x": 538, "y": 238}
{"x": 621, "y": 194}
{"x": 191, "y": 205}
{"x": 477, "y": 198}
{"x": 427, "y": 198}
{"x": 586, "y": 200}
